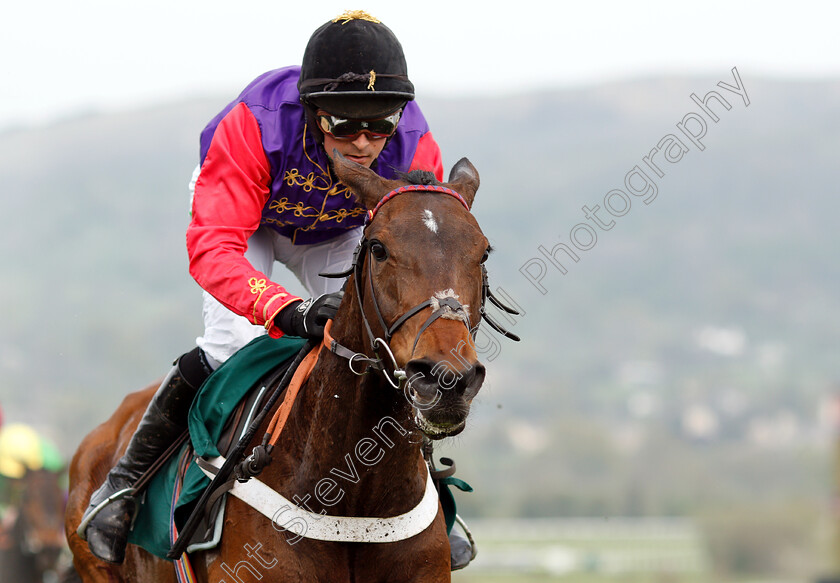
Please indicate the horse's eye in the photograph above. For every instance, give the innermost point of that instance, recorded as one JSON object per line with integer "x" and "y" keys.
{"x": 378, "y": 250}
{"x": 485, "y": 256}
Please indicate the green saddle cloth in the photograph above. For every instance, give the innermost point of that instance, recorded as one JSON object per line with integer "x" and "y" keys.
{"x": 216, "y": 400}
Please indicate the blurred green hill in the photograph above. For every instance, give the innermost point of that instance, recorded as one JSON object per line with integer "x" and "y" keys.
{"x": 684, "y": 364}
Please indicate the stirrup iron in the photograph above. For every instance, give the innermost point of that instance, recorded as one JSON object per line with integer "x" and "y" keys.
{"x": 118, "y": 495}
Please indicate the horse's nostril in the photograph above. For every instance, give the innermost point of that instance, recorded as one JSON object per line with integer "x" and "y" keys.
{"x": 472, "y": 381}
{"x": 428, "y": 378}
{"x": 420, "y": 369}
{"x": 477, "y": 373}
{"x": 422, "y": 385}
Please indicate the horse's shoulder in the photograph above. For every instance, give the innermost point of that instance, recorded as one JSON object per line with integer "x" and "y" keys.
{"x": 138, "y": 400}
{"x": 102, "y": 445}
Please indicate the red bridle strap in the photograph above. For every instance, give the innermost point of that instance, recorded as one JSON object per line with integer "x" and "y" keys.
{"x": 415, "y": 188}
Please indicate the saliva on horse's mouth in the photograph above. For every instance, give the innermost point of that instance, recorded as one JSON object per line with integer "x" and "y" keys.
{"x": 437, "y": 431}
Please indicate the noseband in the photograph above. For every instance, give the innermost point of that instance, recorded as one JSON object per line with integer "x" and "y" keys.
{"x": 444, "y": 305}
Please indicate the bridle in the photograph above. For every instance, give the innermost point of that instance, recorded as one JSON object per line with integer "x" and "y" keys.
{"x": 443, "y": 306}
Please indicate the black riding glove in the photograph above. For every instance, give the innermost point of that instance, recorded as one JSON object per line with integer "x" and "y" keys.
{"x": 307, "y": 319}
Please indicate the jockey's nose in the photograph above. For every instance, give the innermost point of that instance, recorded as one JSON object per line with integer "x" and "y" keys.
{"x": 361, "y": 141}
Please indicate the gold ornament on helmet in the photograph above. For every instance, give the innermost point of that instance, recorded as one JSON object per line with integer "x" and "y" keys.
{"x": 355, "y": 15}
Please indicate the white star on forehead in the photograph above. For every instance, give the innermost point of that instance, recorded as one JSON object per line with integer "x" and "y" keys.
{"x": 429, "y": 221}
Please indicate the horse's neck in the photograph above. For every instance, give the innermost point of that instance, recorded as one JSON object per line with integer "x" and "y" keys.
{"x": 357, "y": 432}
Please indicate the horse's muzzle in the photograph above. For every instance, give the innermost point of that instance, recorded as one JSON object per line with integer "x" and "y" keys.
{"x": 441, "y": 394}
{"x": 432, "y": 380}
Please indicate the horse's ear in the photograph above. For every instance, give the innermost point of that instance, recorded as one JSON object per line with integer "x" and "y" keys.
{"x": 366, "y": 184}
{"x": 463, "y": 178}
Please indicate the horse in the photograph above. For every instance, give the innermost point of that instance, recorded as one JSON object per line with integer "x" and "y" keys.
{"x": 36, "y": 537}
{"x": 398, "y": 365}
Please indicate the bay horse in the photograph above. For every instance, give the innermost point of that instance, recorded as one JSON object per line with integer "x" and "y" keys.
{"x": 351, "y": 446}
{"x": 32, "y": 548}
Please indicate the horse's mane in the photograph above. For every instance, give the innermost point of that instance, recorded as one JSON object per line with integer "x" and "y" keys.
{"x": 420, "y": 177}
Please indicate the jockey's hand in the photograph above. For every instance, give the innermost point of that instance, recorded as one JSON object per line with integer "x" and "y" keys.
{"x": 308, "y": 318}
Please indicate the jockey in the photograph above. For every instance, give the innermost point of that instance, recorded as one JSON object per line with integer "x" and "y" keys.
{"x": 264, "y": 191}
{"x": 22, "y": 450}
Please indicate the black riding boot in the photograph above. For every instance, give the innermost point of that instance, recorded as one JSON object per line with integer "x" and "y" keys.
{"x": 105, "y": 524}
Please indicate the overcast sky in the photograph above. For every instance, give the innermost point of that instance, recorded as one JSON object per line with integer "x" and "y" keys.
{"x": 58, "y": 58}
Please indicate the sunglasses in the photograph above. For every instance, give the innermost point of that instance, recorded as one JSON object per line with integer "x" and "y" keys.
{"x": 347, "y": 129}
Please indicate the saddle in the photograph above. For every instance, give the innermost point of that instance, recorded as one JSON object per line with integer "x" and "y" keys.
{"x": 223, "y": 407}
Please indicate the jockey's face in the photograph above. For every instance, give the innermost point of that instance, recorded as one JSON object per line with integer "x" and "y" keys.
{"x": 363, "y": 148}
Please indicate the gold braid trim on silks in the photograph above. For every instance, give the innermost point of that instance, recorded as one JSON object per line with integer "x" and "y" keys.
{"x": 293, "y": 177}
{"x": 258, "y": 286}
{"x": 320, "y": 180}
{"x": 355, "y": 15}
{"x": 337, "y": 216}
{"x": 287, "y": 299}
{"x": 312, "y": 181}
{"x": 299, "y": 209}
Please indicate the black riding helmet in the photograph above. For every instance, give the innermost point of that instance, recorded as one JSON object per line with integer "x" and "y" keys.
{"x": 354, "y": 67}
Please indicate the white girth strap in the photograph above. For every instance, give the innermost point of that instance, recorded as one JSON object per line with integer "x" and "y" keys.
{"x": 287, "y": 515}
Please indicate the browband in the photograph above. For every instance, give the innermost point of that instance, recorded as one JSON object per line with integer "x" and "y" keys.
{"x": 415, "y": 187}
